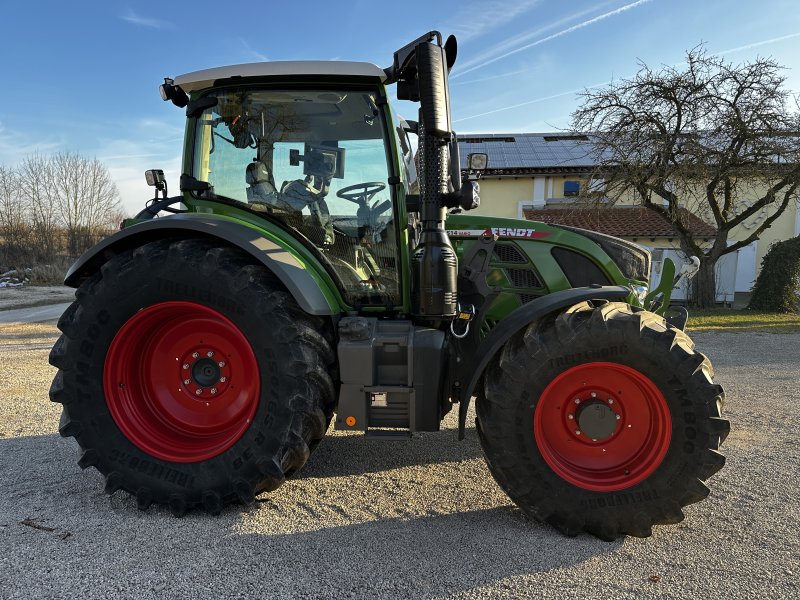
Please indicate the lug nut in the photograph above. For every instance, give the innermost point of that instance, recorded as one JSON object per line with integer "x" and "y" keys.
{"x": 195, "y": 354}
{"x": 223, "y": 379}
{"x": 210, "y": 353}
{"x": 577, "y": 432}
{"x": 618, "y": 417}
{"x": 570, "y": 417}
{"x": 185, "y": 366}
{"x": 611, "y": 401}
{"x": 221, "y": 363}
{"x": 594, "y": 394}
{"x": 577, "y": 400}
{"x": 187, "y": 381}
{"x": 213, "y": 390}
{"x": 199, "y": 391}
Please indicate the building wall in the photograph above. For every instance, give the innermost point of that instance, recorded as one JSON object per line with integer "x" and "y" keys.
{"x": 500, "y": 197}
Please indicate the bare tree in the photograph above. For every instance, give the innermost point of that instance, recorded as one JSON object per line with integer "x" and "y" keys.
{"x": 14, "y": 226}
{"x": 34, "y": 182}
{"x": 84, "y": 196}
{"x": 717, "y": 138}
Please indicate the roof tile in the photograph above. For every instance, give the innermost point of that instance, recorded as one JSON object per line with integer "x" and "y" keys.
{"x": 633, "y": 221}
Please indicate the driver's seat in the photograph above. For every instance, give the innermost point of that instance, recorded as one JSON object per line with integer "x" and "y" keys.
{"x": 261, "y": 190}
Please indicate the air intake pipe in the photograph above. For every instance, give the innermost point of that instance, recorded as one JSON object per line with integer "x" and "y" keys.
{"x": 434, "y": 264}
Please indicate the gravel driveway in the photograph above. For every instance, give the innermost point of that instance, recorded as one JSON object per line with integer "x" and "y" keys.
{"x": 407, "y": 519}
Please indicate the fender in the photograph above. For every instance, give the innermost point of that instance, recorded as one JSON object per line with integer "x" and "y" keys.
{"x": 516, "y": 321}
{"x": 296, "y": 277}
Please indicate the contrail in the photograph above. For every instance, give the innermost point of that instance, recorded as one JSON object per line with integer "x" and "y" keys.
{"x": 490, "y": 77}
{"x": 757, "y": 44}
{"x": 558, "y": 34}
{"x": 559, "y": 95}
{"x": 493, "y": 15}
{"x": 523, "y": 38}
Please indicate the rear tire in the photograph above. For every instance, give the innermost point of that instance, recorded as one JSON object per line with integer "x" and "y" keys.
{"x": 605, "y": 421}
{"x": 190, "y": 377}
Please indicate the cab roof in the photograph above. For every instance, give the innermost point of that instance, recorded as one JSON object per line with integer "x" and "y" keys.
{"x": 202, "y": 79}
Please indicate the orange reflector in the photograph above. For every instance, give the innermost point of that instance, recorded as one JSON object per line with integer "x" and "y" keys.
{"x": 350, "y": 421}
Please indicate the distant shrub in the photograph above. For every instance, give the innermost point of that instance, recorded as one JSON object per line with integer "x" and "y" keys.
{"x": 777, "y": 288}
{"x": 50, "y": 274}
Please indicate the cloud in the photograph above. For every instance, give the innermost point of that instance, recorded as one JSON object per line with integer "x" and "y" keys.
{"x": 16, "y": 145}
{"x": 487, "y": 58}
{"x": 478, "y": 18}
{"x": 132, "y": 17}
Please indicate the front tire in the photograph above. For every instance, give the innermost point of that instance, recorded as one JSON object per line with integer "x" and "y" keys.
{"x": 605, "y": 421}
{"x": 189, "y": 376}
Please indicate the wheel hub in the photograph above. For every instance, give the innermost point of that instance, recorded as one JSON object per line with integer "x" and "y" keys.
{"x": 205, "y": 373}
{"x": 596, "y": 420}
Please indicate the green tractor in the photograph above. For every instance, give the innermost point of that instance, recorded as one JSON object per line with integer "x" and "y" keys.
{"x": 316, "y": 268}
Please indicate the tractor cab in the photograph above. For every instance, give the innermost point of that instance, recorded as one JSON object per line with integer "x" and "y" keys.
{"x": 316, "y": 158}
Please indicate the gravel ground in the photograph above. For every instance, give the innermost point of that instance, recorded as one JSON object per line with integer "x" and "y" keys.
{"x": 34, "y": 295}
{"x": 407, "y": 519}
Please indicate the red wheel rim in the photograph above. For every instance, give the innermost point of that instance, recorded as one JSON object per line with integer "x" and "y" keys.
{"x": 181, "y": 381}
{"x": 626, "y": 421}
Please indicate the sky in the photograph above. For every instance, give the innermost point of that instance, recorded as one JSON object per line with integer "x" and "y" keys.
{"x": 83, "y": 76}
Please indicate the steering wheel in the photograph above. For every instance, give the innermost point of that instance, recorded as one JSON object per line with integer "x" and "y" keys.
{"x": 361, "y": 193}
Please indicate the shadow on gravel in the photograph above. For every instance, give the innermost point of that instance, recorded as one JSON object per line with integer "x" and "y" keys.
{"x": 27, "y": 337}
{"x": 338, "y": 456}
{"x": 426, "y": 557}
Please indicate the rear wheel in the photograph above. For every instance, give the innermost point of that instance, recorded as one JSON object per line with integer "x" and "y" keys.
{"x": 190, "y": 377}
{"x": 605, "y": 421}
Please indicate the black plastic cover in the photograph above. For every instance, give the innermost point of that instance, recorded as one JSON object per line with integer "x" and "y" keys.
{"x": 433, "y": 89}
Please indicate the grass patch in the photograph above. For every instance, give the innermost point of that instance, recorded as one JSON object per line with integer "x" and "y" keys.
{"x": 728, "y": 319}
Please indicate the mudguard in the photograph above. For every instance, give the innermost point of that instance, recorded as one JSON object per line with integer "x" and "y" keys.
{"x": 292, "y": 273}
{"x": 519, "y": 319}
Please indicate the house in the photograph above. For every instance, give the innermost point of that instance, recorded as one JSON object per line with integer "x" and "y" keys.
{"x": 543, "y": 176}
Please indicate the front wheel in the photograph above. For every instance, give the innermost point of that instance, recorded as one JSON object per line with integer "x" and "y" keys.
{"x": 605, "y": 421}
{"x": 190, "y": 377}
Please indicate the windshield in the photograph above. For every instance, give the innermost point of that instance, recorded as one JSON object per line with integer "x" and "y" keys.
{"x": 315, "y": 159}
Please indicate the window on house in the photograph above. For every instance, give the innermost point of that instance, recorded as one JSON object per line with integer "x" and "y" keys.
{"x": 597, "y": 185}
{"x": 571, "y": 188}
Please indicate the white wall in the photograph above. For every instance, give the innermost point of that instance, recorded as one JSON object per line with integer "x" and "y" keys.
{"x": 746, "y": 268}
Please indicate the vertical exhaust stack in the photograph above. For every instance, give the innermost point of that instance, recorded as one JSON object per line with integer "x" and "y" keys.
{"x": 421, "y": 69}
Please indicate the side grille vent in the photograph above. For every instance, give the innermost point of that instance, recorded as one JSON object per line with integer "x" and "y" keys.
{"x": 509, "y": 253}
{"x": 523, "y": 278}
